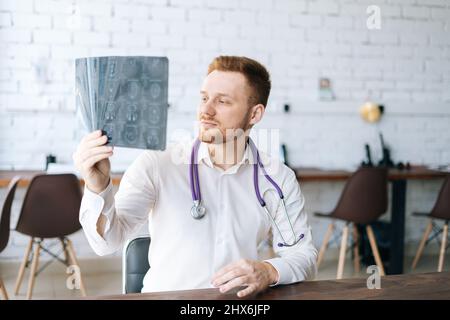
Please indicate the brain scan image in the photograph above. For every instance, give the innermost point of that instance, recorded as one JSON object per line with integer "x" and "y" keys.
{"x": 154, "y": 116}
{"x": 126, "y": 97}
{"x": 152, "y": 138}
{"x": 155, "y": 90}
{"x": 110, "y": 114}
{"x": 132, "y": 113}
{"x": 132, "y": 68}
{"x": 133, "y": 89}
{"x": 157, "y": 68}
{"x": 130, "y": 133}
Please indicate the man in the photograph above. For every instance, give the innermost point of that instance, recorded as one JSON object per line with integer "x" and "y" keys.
{"x": 235, "y": 245}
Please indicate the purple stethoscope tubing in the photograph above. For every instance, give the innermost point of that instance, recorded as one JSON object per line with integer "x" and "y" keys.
{"x": 193, "y": 173}
{"x": 198, "y": 210}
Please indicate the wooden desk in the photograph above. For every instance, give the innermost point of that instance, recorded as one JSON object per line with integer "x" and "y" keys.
{"x": 430, "y": 286}
{"x": 316, "y": 174}
{"x": 27, "y": 175}
{"x": 303, "y": 174}
{"x": 398, "y": 179}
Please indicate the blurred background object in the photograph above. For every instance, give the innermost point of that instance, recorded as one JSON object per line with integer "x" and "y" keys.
{"x": 49, "y": 159}
{"x": 371, "y": 112}
{"x": 325, "y": 90}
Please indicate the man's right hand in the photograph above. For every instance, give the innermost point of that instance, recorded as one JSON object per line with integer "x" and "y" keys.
{"x": 92, "y": 161}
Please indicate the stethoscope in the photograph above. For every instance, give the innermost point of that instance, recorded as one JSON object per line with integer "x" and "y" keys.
{"x": 198, "y": 211}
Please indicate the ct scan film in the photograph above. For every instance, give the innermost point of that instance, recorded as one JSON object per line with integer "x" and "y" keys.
{"x": 126, "y": 97}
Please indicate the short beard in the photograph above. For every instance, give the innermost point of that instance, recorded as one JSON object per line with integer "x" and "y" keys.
{"x": 219, "y": 136}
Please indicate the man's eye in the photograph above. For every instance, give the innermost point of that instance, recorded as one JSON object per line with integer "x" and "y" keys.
{"x": 204, "y": 99}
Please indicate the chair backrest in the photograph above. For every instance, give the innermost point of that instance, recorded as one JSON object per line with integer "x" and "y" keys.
{"x": 364, "y": 198}
{"x": 6, "y": 212}
{"x": 135, "y": 264}
{"x": 51, "y": 206}
{"x": 441, "y": 208}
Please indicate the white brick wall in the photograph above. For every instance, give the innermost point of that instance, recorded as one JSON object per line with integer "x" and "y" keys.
{"x": 405, "y": 66}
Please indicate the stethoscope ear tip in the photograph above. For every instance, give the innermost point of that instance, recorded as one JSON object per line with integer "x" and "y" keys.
{"x": 280, "y": 244}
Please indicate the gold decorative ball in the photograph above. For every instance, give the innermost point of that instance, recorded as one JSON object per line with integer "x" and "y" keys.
{"x": 370, "y": 112}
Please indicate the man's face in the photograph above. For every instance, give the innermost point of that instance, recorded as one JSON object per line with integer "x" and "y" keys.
{"x": 224, "y": 109}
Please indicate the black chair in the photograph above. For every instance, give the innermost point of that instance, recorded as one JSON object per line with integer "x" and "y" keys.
{"x": 440, "y": 211}
{"x": 50, "y": 210}
{"x": 363, "y": 201}
{"x": 135, "y": 264}
{"x": 4, "y": 224}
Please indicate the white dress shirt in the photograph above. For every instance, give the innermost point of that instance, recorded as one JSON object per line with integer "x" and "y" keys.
{"x": 185, "y": 253}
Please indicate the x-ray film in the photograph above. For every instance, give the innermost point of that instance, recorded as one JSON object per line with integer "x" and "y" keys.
{"x": 126, "y": 97}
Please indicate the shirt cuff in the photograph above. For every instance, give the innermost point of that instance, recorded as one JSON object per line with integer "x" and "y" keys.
{"x": 283, "y": 269}
{"x": 93, "y": 204}
{"x": 108, "y": 197}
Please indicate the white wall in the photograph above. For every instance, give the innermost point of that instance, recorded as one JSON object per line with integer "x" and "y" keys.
{"x": 405, "y": 66}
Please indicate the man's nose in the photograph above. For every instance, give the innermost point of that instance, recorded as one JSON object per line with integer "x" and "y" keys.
{"x": 208, "y": 108}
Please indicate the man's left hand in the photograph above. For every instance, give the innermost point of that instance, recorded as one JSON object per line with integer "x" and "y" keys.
{"x": 256, "y": 275}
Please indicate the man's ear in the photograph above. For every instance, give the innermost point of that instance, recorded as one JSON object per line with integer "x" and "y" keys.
{"x": 257, "y": 112}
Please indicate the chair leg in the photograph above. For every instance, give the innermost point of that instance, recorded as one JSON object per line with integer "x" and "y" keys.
{"x": 426, "y": 234}
{"x": 343, "y": 249}
{"x": 374, "y": 247}
{"x": 325, "y": 243}
{"x": 3, "y": 292}
{"x": 356, "y": 258}
{"x": 74, "y": 261}
{"x": 443, "y": 247}
{"x": 34, "y": 264}
{"x": 23, "y": 266}
{"x": 66, "y": 254}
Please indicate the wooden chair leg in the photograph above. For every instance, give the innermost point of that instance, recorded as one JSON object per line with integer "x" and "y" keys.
{"x": 374, "y": 247}
{"x": 426, "y": 234}
{"x": 3, "y": 292}
{"x": 325, "y": 243}
{"x": 66, "y": 254}
{"x": 34, "y": 264}
{"x": 356, "y": 258}
{"x": 74, "y": 261}
{"x": 23, "y": 266}
{"x": 343, "y": 249}
{"x": 443, "y": 247}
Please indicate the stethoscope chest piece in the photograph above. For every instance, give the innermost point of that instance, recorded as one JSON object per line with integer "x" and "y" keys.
{"x": 198, "y": 211}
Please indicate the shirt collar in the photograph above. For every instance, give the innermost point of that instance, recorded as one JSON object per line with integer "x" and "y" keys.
{"x": 204, "y": 157}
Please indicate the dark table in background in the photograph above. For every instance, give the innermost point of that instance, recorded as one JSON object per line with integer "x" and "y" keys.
{"x": 398, "y": 178}
{"x": 432, "y": 286}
